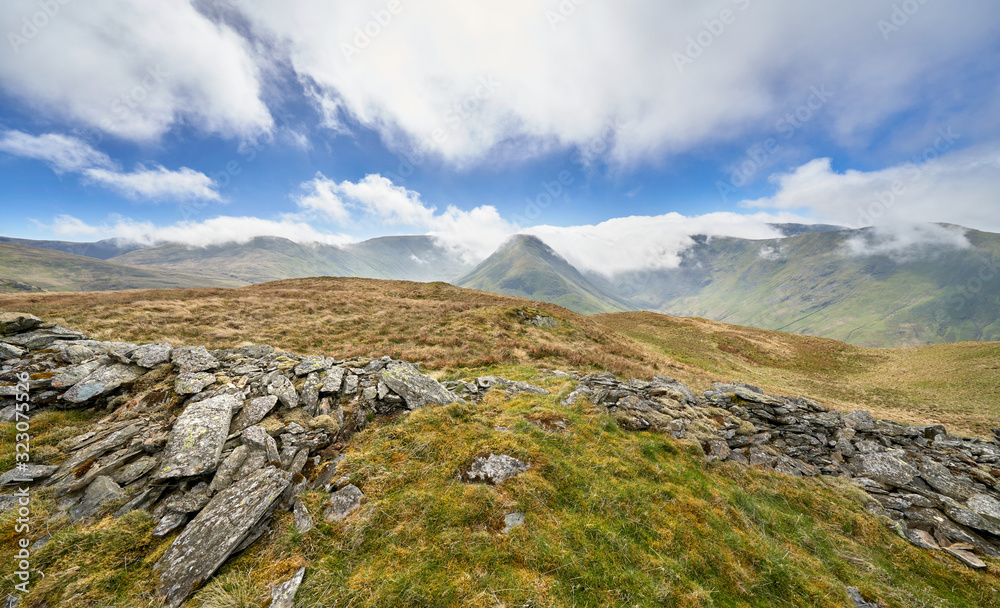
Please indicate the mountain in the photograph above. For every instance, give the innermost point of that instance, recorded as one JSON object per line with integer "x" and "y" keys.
{"x": 813, "y": 284}
{"x": 526, "y": 267}
{"x": 101, "y": 250}
{"x": 24, "y": 268}
{"x": 261, "y": 259}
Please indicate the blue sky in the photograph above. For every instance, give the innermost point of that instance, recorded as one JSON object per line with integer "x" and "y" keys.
{"x": 578, "y": 120}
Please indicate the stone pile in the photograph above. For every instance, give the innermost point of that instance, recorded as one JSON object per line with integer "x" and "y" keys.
{"x": 939, "y": 491}
{"x": 209, "y": 442}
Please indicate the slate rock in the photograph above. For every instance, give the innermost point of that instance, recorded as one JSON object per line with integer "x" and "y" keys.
{"x": 17, "y": 322}
{"x": 511, "y": 386}
{"x": 283, "y": 389}
{"x": 494, "y": 469}
{"x": 885, "y": 468}
{"x": 170, "y": 521}
{"x": 43, "y": 338}
{"x": 29, "y": 471}
{"x": 859, "y": 601}
{"x": 9, "y": 351}
{"x": 253, "y": 412}
{"x": 967, "y": 558}
{"x": 216, "y": 532}
{"x": 283, "y": 595}
{"x": 151, "y": 355}
{"x": 193, "y": 382}
{"x": 512, "y": 520}
{"x": 416, "y": 389}
{"x": 72, "y": 374}
{"x": 343, "y": 502}
{"x": 195, "y": 443}
{"x": 193, "y": 359}
{"x": 134, "y": 470}
{"x": 102, "y": 381}
{"x": 860, "y": 420}
{"x": 941, "y": 479}
{"x": 312, "y": 364}
{"x": 226, "y": 472}
{"x": 332, "y": 380}
{"x": 303, "y": 520}
{"x": 100, "y": 492}
{"x": 310, "y": 393}
{"x": 256, "y": 438}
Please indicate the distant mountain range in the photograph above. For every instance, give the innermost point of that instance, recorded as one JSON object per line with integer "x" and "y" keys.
{"x": 806, "y": 282}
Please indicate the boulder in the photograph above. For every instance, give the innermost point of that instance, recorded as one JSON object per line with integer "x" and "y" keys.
{"x": 9, "y": 351}
{"x": 332, "y": 380}
{"x": 884, "y": 468}
{"x": 193, "y": 382}
{"x": 151, "y": 355}
{"x": 17, "y": 322}
{"x": 29, "y": 471}
{"x": 102, "y": 381}
{"x": 195, "y": 443}
{"x": 416, "y": 389}
{"x": 253, "y": 412}
{"x": 216, "y": 532}
{"x": 282, "y": 388}
{"x": 100, "y": 492}
{"x": 343, "y": 502}
{"x": 494, "y": 469}
{"x": 193, "y": 359}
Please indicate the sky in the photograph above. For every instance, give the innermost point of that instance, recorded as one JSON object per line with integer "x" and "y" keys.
{"x": 612, "y": 130}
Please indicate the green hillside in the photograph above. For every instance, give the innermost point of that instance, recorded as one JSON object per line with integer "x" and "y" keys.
{"x": 264, "y": 259}
{"x": 808, "y": 284}
{"x": 528, "y": 268}
{"x": 24, "y": 268}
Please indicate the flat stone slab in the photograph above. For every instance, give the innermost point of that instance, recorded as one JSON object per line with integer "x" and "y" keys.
{"x": 151, "y": 355}
{"x": 416, "y": 389}
{"x": 218, "y": 530}
{"x": 195, "y": 443}
{"x": 41, "y": 338}
{"x": 253, "y": 412}
{"x": 9, "y": 351}
{"x": 28, "y": 471}
{"x": 101, "y": 381}
{"x": 193, "y": 382}
{"x": 17, "y": 322}
{"x": 100, "y": 492}
{"x": 494, "y": 469}
{"x": 193, "y": 359}
{"x": 885, "y": 468}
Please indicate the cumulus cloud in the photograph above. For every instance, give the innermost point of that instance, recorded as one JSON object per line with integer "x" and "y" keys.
{"x": 65, "y": 153}
{"x": 958, "y": 187}
{"x": 131, "y": 69}
{"x": 213, "y": 231}
{"x": 61, "y": 152}
{"x": 906, "y": 242}
{"x": 464, "y": 80}
{"x": 472, "y": 234}
{"x": 157, "y": 183}
{"x": 650, "y": 242}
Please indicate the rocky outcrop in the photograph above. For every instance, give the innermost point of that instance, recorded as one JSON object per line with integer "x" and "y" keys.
{"x": 208, "y": 442}
{"x": 937, "y": 490}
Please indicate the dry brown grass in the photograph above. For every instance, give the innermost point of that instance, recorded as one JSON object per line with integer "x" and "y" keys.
{"x": 446, "y": 328}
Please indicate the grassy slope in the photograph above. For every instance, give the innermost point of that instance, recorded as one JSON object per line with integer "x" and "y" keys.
{"x": 526, "y": 267}
{"x": 811, "y": 287}
{"x": 612, "y": 518}
{"x": 59, "y": 271}
{"x": 447, "y": 328}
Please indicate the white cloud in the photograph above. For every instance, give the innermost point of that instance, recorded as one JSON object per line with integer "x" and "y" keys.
{"x": 417, "y": 76}
{"x": 70, "y": 154}
{"x": 905, "y": 242}
{"x": 157, "y": 183}
{"x": 959, "y": 188}
{"x": 473, "y": 234}
{"x": 213, "y": 231}
{"x": 61, "y": 152}
{"x": 650, "y": 242}
{"x": 131, "y": 69}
